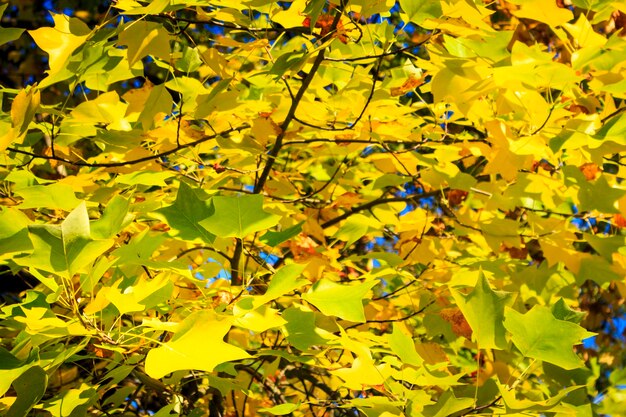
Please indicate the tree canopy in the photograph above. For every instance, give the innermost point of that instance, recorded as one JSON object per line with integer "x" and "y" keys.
{"x": 313, "y": 208}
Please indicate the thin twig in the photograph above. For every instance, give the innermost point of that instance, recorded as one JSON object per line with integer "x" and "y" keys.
{"x": 132, "y": 161}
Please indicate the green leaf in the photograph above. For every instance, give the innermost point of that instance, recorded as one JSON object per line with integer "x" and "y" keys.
{"x": 596, "y": 269}
{"x": 145, "y": 38}
{"x": 72, "y": 403}
{"x": 150, "y": 178}
{"x": 535, "y": 404}
{"x": 355, "y": 228}
{"x": 190, "y": 60}
{"x": 167, "y": 411}
{"x": 282, "y": 282}
{"x": 483, "y": 309}
{"x": 153, "y": 7}
{"x": 343, "y": 301}
{"x": 29, "y": 387}
{"x": 403, "y": 345}
{"x": 13, "y": 232}
{"x": 281, "y": 409}
{"x": 53, "y": 196}
{"x": 65, "y": 248}
{"x": 274, "y": 239}
{"x": 562, "y": 311}
{"x": 599, "y": 196}
{"x": 605, "y": 245}
{"x": 10, "y": 369}
{"x": 114, "y": 218}
{"x": 9, "y": 34}
{"x": 420, "y": 10}
{"x": 238, "y": 216}
{"x": 540, "y": 335}
{"x": 198, "y": 344}
{"x": 448, "y": 405}
{"x": 301, "y": 330}
{"x": 159, "y": 101}
{"x": 286, "y": 62}
{"x": 313, "y": 10}
{"x": 186, "y": 214}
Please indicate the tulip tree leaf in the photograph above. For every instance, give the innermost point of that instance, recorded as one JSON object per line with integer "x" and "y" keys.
{"x": 540, "y": 335}
{"x": 55, "y": 196}
{"x": 280, "y": 410}
{"x": 403, "y": 345}
{"x": 185, "y": 215}
{"x": 65, "y": 248}
{"x": 420, "y": 10}
{"x": 562, "y": 311}
{"x": 198, "y": 344}
{"x": 113, "y": 219}
{"x": 238, "y": 216}
{"x": 60, "y": 41}
{"x": 14, "y": 232}
{"x": 300, "y": 328}
{"x": 272, "y": 238}
{"x": 30, "y": 387}
{"x": 483, "y": 309}
{"x": 343, "y": 301}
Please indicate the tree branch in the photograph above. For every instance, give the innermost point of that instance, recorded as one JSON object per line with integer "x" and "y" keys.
{"x": 292, "y": 113}
{"x": 378, "y": 202}
{"x": 132, "y": 161}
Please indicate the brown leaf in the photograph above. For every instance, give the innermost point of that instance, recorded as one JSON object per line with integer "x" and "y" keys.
{"x": 455, "y": 317}
{"x": 590, "y": 170}
{"x": 411, "y": 83}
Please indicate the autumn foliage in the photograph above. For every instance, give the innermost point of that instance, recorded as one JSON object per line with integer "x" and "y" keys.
{"x": 313, "y": 208}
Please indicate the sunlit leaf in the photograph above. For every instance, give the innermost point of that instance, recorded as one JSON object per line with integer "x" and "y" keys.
{"x": 186, "y": 214}
{"x": 540, "y": 335}
{"x": 238, "y": 216}
{"x": 61, "y": 41}
{"x": 483, "y": 309}
{"x": 343, "y": 301}
{"x": 198, "y": 344}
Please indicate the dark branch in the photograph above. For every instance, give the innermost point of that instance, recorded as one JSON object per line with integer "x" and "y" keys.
{"x": 292, "y": 113}
{"x": 132, "y": 161}
{"x": 378, "y": 202}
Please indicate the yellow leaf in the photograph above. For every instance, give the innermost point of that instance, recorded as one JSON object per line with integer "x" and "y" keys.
{"x": 260, "y": 320}
{"x": 7, "y": 135}
{"x": 291, "y": 17}
{"x": 198, "y": 344}
{"x": 106, "y": 108}
{"x": 61, "y": 40}
{"x": 23, "y": 109}
{"x": 468, "y": 11}
{"x": 136, "y": 297}
{"x": 584, "y": 35}
{"x": 363, "y": 372}
{"x": 145, "y": 38}
{"x": 543, "y": 11}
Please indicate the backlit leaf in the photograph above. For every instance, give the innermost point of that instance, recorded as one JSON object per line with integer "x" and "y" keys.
{"x": 68, "y": 34}
{"x": 343, "y": 301}
{"x": 197, "y": 344}
{"x": 483, "y": 309}
{"x": 540, "y": 335}
{"x": 420, "y": 10}
{"x": 186, "y": 214}
{"x": 238, "y": 216}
